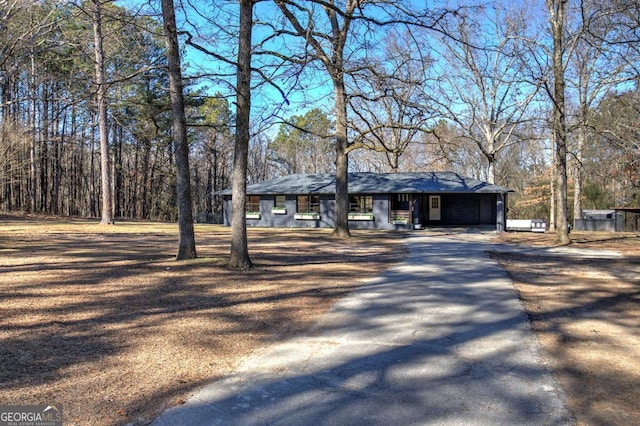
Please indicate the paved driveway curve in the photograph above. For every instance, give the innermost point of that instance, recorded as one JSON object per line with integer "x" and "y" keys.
{"x": 438, "y": 339}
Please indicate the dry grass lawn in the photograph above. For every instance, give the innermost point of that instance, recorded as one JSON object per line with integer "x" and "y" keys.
{"x": 103, "y": 321}
{"x": 587, "y": 315}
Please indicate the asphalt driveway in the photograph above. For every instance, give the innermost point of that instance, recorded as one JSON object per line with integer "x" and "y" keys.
{"x": 438, "y": 339}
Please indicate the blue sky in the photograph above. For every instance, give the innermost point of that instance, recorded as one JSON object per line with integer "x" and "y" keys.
{"x": 316, "y": 89}
{"x": 312, "y": 90}
{"x": 267, "y": 100}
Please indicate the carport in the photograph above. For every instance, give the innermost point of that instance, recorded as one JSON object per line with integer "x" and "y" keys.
{"x": 627, "y": 219}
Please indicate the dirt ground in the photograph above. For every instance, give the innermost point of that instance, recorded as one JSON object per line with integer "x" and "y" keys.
{"x": 587, "y": 316}
{"x": 103, "y": 321}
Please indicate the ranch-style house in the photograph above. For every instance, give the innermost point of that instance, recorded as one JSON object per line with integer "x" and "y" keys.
{"x": 376, "y": 201}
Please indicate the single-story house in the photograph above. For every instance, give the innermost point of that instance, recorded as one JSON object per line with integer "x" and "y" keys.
{"x": 376, "y": 201}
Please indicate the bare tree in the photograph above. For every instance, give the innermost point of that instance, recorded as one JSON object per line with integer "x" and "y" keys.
{"x": 557, "y": 18}
{"x": 604, "y": 58}
{"x": 482, "y": 87}
{"x": 239, "y": 248}
{"x": 332, "y": 57}
{"x": 101, "y": 92}
{"x": 187, "y": 242}
{"x": 616, "y": 154}
{"x": 212, "y": 146}
{"x": 388, "y": 101}
{"x": 25, "y": 28}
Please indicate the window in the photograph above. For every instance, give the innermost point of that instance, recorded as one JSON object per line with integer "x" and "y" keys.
{"x": 360, "y": 203}
{"x": 400, "y": 202}
{"x": 435, "y": 202}
{"x": 280, "y": 202}
{"x": 308, "y": 204}
{"x": 253, "y": 204}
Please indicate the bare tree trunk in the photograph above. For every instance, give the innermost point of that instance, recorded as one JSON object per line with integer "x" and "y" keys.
{"x": 57, "y": 202}
{"x": 209, "y": 190}
{"x": 552, "y": 201}
{"x": 341, "y": 228}
{"x": 556, "y": 20}
{"x": 577, "y": 185}
{"x": 239, "y": 248}
{"x": 107, "y": 206}
{"x": 333, "y": 62}
{"x": 44, "y": 151}
{"x": 187, "y": 241}
{"x": 33, "y": 172}
{"x": 491, "y": 171}
{"x": 146, "y": 182}
{"x": 92, "y": 178}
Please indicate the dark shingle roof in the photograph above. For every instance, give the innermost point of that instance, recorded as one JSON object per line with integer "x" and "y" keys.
{"x": 374, "y": 183}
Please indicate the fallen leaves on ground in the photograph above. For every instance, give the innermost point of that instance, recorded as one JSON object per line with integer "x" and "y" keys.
{"x": 103, "y": 321}
{"x": 586, "y": 313}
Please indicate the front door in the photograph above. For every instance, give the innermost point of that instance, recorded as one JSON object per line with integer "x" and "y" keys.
{"x": 434, "y": 208}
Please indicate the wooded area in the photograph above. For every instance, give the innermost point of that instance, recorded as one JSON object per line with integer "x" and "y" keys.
{"x": 514, "y": 95}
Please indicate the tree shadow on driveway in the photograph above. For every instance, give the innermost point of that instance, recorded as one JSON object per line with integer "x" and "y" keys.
{"x": 440, "y": 338}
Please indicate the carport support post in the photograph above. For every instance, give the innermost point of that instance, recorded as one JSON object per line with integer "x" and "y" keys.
{"x": 500, "y": 213}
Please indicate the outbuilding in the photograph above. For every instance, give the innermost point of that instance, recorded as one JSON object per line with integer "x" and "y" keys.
{"x": 616, "y": 219}
{"x": 376, "y": 201}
